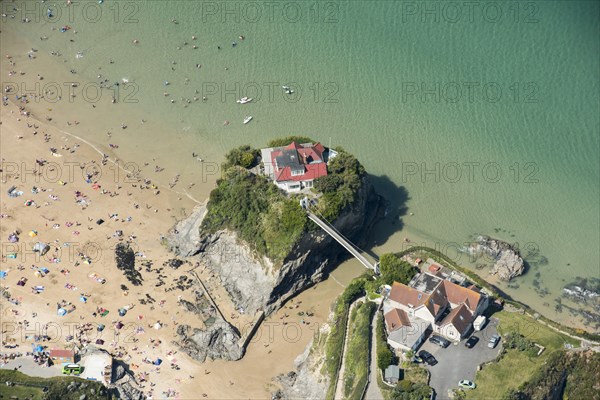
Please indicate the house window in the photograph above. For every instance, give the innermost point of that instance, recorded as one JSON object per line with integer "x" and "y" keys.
{"x": 308, "y": 184}
{"x": 296, "y": 172}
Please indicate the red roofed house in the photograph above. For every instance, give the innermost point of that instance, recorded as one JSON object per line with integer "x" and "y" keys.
{"x": 295, "y": 166}
{"x": 447, "y": 308}
{"x": 65, "y": 356}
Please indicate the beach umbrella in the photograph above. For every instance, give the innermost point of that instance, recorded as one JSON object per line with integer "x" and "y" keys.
{"x": 157, "y": 362}
{"x": 99, "y": 341}
{"x": 100, "y": 327}
{"x": 83, "y": 299}
{"x": 119, "y": 325}
{"x": 3, "y": 274}
{"x": 39, "y": 349}
{"x": 122, "y": 312}
{"x": 32, "y": 233}
{"x": 62, "y": 312}
{"x": 157, "y": 325}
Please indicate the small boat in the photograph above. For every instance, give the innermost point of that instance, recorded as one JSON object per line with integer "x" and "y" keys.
{"x": 287, "y": 89}
{"x": 244, "y": 100}
{"x": 247, "y": 119}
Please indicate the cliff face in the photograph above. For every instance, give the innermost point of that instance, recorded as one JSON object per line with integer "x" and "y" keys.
{"x": 255, "y": 282}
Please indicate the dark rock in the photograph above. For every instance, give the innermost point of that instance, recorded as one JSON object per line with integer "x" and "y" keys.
{"x": 219, "y": 341}
{"x": 507, "y": 261}
{"x": 175, "y": 263}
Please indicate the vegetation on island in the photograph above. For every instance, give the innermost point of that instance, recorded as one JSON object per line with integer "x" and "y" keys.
{"x": 264, "y": 216}
{"x": 340, "y": 186}
{"x": 281, "y": 142}
{"x": 253, "y": 207}
{"x": 58, "y": 388}
{"x": 357, "y": 354}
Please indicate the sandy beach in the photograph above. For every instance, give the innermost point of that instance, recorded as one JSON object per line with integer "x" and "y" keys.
{"x": 77, "y": 162}
{"x": 63, "y": 212}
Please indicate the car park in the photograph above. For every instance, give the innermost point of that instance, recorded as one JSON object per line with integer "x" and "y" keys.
{"x": 471, "y": 342}
{"x": 440, "y": 341}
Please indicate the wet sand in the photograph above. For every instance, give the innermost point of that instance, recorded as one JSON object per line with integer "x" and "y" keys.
{"x": 80, "y": 133}
{"x": 142, "y": 216}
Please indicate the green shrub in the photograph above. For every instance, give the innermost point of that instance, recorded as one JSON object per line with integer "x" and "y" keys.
{"x": 407, "y": 390}
{"x": 385, "y": 356}
{"x": 255, "y": 208}
{"x": 289, "y": 139}
{"x": 393, "y": 269}
{"x": 335, "y": 341}
{"x": 357, "y": 354}
{"x": 339, "y": 187}
{"x": 243, "y": 156}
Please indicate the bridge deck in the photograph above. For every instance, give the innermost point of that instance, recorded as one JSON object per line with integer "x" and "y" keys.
{"x": 340, "y": 240}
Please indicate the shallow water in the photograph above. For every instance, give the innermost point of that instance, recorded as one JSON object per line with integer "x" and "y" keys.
{"x": 489, "y": 122}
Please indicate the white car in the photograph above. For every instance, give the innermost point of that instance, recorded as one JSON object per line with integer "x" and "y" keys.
{"x": 493, "y": 341}
{"x": 466, "y": 384}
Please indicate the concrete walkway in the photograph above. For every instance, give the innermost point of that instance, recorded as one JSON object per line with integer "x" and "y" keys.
{"x": 373, "y": 392}
{"x": 27, "y": 366}
{"x": 339, "y": 389}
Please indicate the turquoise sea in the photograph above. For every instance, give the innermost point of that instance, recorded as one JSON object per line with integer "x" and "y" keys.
{"x": 487, "y": 115}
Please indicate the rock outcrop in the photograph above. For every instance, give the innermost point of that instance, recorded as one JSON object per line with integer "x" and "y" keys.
{"x": 256, "y": 283}
{"x": 507, "y": 261}
{"x": 219, "y": 341}
{"x": 305, "y": 382}
{"x": 184, "y": 240}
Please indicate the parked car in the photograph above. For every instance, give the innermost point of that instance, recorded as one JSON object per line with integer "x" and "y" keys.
{"x": 440, "y": 341}
{"x": 466, "y": 384}
{"x": 471, "y": 342}
{"x": 428, "y": 357}
{"x": 493, "y": 341}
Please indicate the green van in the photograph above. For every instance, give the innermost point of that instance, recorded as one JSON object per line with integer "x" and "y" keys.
{"x": 71, "y": 369}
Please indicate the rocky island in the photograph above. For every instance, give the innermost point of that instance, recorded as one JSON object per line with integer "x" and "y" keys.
{"x": 255, "y": 236}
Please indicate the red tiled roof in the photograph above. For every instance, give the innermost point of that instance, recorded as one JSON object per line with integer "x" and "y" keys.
{"x": 293, "y": 145}
{"x": 434, "y": 268}
{"x": 436, "y": 300}
{"x": 396, "y": 319}
{"x": 309, "y": 157}
{"x": 406, "y": 295}
{"x": 460, "y": 317}
{"x": 457, "y": 294}
{"x": 312, "y": 171}
{"x": 61, "y": 353}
